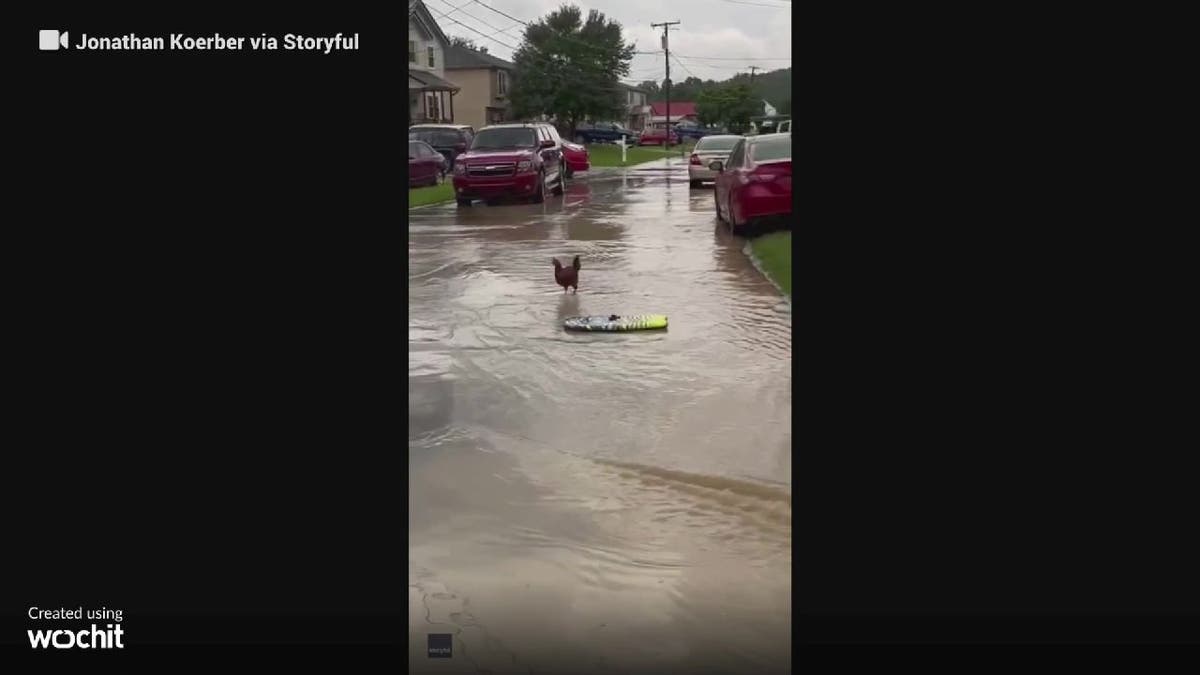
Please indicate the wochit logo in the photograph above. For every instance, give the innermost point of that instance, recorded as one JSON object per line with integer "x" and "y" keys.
{"x": 93, "y": 638}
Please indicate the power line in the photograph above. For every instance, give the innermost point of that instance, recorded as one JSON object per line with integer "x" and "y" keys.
{"x": 681, "y": 63}
{"x": 757, "y": 4}
{"x": 533, "y": 50}
{"x": 529, "y": 25}
{"x": 481, "y": 33}
{"x": 460, "y": 9}
{"x": 712, "y": 67}
{"x": 501, "y": 13}
{"x": 737, "y": 58}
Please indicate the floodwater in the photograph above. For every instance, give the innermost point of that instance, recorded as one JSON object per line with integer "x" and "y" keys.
{"x": 597, "y": 503}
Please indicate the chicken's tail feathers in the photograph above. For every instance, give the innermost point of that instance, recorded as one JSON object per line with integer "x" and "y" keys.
{"x": 575, "y": 263}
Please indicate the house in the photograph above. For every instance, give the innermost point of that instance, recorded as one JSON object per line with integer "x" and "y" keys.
{"x": 484, "y": 81}
{"x": 681, "y": 111}
{"x": 636, "y": 108}
{"x": 430, "y": 95}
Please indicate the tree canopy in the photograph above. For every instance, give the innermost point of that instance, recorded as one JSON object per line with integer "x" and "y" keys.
{"x": 456, "y": 41}
{"x": 569, "y": 67}
{"x": 774, "y": 86}
{"x": 730, "y": 104}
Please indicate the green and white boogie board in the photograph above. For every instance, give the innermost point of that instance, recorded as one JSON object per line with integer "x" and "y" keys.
{"x": 614, "y": 323}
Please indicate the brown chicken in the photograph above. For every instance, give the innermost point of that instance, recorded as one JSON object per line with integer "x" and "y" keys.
{"x": 567, "y": 276}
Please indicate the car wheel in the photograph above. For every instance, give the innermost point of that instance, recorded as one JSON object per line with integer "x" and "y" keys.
{"x": 694, "y": 184}
{"x": 540, "y": 195}
{"x": 463, "y": 203}
{"x": 570, "y": 172}
{"x": 734, "y": 226}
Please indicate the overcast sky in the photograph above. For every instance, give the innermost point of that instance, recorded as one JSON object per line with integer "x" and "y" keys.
{"x": 716, "y": 40}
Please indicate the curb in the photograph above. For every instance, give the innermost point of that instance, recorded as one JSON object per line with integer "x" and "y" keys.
{"x": 425, "y": 206}
{"x": 748, "y": 249}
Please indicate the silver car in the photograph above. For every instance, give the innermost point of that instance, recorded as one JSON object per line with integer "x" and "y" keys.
{"x": 707, "y": 149}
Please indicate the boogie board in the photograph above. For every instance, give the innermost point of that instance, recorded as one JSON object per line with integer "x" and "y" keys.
{"x": 614, "y": 323}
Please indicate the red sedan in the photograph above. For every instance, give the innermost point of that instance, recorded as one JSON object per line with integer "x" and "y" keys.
{"x": 755, "y": 181}
{"x": 425, "y": 165}
{"x": 658, "y": 136}
{"x": 576, "y": 157}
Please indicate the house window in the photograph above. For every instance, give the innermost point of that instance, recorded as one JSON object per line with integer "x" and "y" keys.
{"x": 412, "y": 51}
{"x": 501, "y": 82}
{"x": 430, "y": 57}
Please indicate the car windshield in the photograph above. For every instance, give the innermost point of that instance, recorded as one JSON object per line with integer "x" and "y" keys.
{"x": 717, "y": 144}
{"x": 772, "y": 147}
{"x": 515, "y": 137}
{"x": 436, "y": 137}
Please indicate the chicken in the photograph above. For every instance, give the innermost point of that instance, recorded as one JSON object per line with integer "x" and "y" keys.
{"x": 567, "y": 276}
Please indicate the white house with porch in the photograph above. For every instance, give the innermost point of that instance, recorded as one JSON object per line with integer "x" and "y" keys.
{"x": 430, "y": 94}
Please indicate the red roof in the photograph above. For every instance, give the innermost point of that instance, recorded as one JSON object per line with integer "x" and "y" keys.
{"x": 677, "y": 108}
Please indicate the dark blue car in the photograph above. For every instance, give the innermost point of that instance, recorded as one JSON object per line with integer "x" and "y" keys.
{"x": 603, "y": 132}
{"x": 694, "y": 133}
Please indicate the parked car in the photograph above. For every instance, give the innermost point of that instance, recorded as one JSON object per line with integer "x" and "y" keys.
{"x": 755, "y": 181}
{"x": 657, "y": 135}
{"x": 425, "y": 165}
{"x": 521, "y": 160}
{"x": 604, "y": 132}
{"x": 708, "y": 149}
{"x": 693, "y": 132}
{"x": 576, "y": 157}
{"x": 449, "y": 139}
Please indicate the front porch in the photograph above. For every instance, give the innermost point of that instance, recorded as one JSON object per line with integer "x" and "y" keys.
{"x": 430, "y": 98}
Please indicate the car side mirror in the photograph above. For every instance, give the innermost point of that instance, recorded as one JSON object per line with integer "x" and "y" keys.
{"x": 716, "y": 165}
{"x": 546, "y": 144}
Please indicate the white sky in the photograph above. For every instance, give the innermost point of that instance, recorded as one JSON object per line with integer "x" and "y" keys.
{"x": 716, "y": 40}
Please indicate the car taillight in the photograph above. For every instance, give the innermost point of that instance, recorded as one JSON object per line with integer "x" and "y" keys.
{"x": 695, "y": 159}
{"x": 762, "y": 176}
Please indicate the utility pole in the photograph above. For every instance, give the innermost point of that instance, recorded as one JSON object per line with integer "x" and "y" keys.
{"x": 667, "y": 57}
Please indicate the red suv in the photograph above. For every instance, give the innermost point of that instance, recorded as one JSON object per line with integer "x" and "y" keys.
{"x": 519, "y": 160}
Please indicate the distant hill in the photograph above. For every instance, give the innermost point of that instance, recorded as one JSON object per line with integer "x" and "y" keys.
{"x": 774, "y": 86}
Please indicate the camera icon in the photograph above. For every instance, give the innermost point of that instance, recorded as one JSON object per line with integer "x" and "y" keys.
{"x": 50, "y": 40}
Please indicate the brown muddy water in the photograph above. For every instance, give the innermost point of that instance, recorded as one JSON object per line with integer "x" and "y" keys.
{"x": 597, "y": 503}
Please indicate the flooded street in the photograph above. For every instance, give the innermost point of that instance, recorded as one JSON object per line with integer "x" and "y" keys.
{"x": 597, "y": 503}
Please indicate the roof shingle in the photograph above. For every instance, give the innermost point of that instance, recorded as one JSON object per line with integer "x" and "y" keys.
{"x": 458, "y": 58}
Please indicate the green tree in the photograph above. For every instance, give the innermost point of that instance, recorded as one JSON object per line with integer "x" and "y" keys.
{"x": 456, "y": 41}
{"x": 731, "y": 104}
{"x": 569, "y": 68}
{"x": 653, "y": 92}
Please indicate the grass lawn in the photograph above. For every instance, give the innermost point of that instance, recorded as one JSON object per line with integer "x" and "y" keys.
{"x": 607, "y": 154}
{"x": 774, "y": 252}
{"x": 443, "y": 192}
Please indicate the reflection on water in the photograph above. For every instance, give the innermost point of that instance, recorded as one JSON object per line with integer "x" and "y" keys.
{"x": 597, "y": 503}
